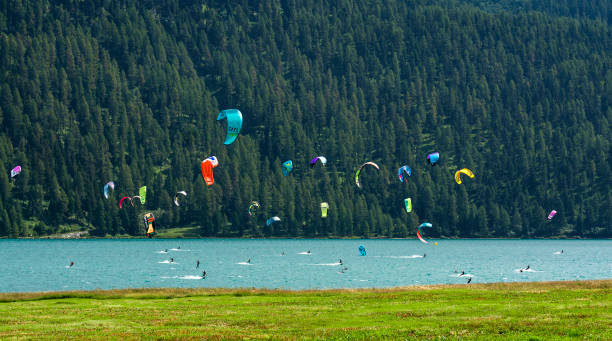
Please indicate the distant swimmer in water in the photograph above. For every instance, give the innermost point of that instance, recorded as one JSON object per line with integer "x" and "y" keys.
{"x": 71, "y": 264}
{"x": 203, "y": 274}
{"x": 197, "y": 263}
{"x": 469, "y": 280}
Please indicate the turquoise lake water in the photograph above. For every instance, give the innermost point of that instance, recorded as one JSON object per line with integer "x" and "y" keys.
{"x": 43, "y": 265}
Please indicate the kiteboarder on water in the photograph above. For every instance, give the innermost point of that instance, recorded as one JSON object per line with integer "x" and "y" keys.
{"x": 197, "y": 263}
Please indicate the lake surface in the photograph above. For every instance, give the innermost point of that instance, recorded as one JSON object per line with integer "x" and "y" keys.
{"x": 43, "y": 265}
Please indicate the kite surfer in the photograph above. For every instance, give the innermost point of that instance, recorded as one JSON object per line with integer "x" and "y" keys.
{"x": 71, "y": 264}
{"x": 197, "y": 263}
{"x": 203, "y": 274}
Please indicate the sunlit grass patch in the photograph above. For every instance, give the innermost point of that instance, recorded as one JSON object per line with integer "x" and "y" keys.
{"x": 515, "y": 311}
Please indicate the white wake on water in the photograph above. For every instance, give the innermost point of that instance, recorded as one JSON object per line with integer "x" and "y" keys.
{"x": 460, "y": 275}
{"x": 526, "y": 270}
{"x": 327, "y": 264}
{"x": 404, "y": 257}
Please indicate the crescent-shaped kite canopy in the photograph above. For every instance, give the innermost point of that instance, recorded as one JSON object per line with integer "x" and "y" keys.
{"x": 234, "y": 124}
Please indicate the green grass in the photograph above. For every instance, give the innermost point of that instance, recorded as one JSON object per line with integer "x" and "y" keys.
{"x": 179, "y": 232}
{"x": 517, "y": 311}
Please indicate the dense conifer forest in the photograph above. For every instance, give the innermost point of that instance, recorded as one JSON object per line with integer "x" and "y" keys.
{"x": 520, "y": 92}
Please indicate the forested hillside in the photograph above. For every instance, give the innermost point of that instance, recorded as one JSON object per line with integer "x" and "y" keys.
{"x": 129, "y": 91}
{"x": 591, "y": 9}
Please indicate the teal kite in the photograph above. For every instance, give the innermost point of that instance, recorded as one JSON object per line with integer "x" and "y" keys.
{"x": 402, "y": 170}
{"x": 107, "y": 188}
{"x": 433, "y": 158}
{"x": 234, "y": 123}
{"x": 272, "y": 220}
{"x": 287, "y": 167}
{"x": 419, "y": 231}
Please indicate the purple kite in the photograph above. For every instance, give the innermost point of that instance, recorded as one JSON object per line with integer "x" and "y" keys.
{"x": 323, "y": 160}
{"x": 15, "y": 171}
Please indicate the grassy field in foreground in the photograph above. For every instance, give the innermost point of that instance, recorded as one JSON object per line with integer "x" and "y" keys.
{"x": 515, "y": 311}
